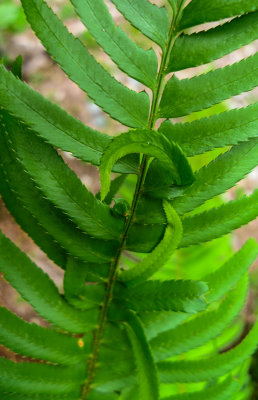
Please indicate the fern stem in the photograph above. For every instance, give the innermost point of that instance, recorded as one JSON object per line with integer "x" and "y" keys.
{"x": 114, "y": 267}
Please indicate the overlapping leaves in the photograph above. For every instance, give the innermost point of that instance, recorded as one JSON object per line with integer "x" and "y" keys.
{"x": 152, "y": 319}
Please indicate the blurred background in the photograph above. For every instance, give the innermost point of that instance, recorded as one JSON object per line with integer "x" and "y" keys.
{"x": 45, "y": 76}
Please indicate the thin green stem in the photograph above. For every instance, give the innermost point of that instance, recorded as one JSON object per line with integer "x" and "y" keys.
{"x": 143, "y": 168}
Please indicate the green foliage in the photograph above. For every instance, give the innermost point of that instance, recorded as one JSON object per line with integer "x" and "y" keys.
{"x": 206, "y": 46}
{"x": 135, "y": 62}
{"x": 217, "y": 131}
{"x": 149, "y": 143}
{"x": 127, "y": 324}
{"x": 148, "y": 384}
{"x": 126, "y": 106}
{"x": 203, "y": 91}
{"x": 199, "y": 11}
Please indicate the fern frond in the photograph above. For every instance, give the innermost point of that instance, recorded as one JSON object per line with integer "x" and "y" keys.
{"x": 59, "y": 227}
{"x": 158, "y": 322}
{"x": 224, "y": 278}
{"x": 161, "y": 254}
{"x": 151, "y": 20}
{"x": 114, "y": 333}
{"x": 218, "y": 176}
{"x": 226, "y": 129}
{"x": 199, "y": 11}
{"x": 51, "y": 122}
{"x": 137, "y": 63}
{"x": 115, "y": 185}
{"x": 33, "y": 378}
{"x": 61, "y": 185}
{"x": 16, "y": 396}
{"x": 218, "y": 391}
{"x": 219, "y": 221}
{"x": 182, "y": 97}
{"x": 35, "y": 341}
{"x": 174, "y": 295}
{"x": 202, "y": 328}
{"x": 17, "y": 67}
{"x": 28, "y": 222}
{"x": 210, "y": 368}
{"x": 36, "y": 287}
{"x": 149, "y": 143}
{"x": 198, "y": 228}
{"x": 148, "y": 384}
{"x": 128, "y": 107}
{"x": 204, "y": 47}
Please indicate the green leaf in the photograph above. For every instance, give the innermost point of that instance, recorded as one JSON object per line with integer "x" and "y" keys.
{"x": 151, "y": 20}
{"x": 38, "y": 289}
{"x": 128, "y": 107}
{"x": 51, "y": 122}
{"x": 148, "y": 384}
{"x": 38, "y": 342}
{"x": 161, "y": 254}
{"x": 219, "y": 221}
{"x": 17, "y": 67}
{"x": 218, "y": 176}
{"x": 34, "y": 378}
{"x": 98, "y": 395}
{"x": 28, "y": 222}
{"x": 199, "y": 11}
{"x": 182, "y": 97}
{"x": 226, "y": 129}
{"x": 143, "y": 238}
{"x": 220, "y": 281}
{"x": 78, "y": 273}
{"x": 114, "y": 188}
{"x": 209, "y": 368}
{"x": 158, "y": 322}
{"x": 134, "y": 61}
{"x": 150, "y": 211}
{"x": 146, "y": 142}
{"x": 77, "y": 289}
{"x": 50, "y": 220}
{"x": 204, "y": 47}
{"x": 16, "y": 396}
{"x": 61, "y": 185}
{"x": 204, "y": 327}
{"x": 174, "y": 295}
{"x": 54, "y": 124}
{"x": 218, "y": 391}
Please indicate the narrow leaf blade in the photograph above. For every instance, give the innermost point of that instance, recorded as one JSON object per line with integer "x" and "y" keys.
{"x": 182, "y": 97}
{"x": 219, "y": 221}
{"x": 36, "y": 287}
{"x": 173, "y": 295}
{"x": 226, "y": 129}
{"x": 35, "y": 341}
{"x": 134, "y": 61}
{"x": 202, "y": 328}
{"x": 199, "y": 11}
{"x": 151, "y": 20}
{"x": 63, "y": 187}
{"x": 147, "y": 373}
{"x": 128, "y": 107}
{"x": 218, "y": 176}
{"x": 210, "y": 368}
{"x": 206, "y": 46}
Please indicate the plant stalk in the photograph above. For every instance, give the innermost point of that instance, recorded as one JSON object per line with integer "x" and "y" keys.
{"x": 143, "y": 168}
